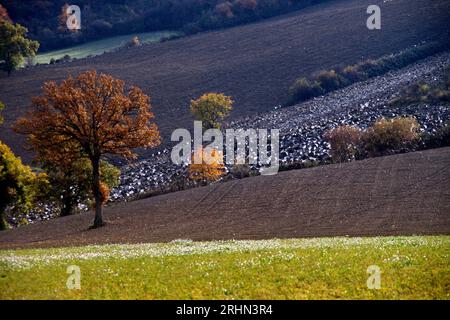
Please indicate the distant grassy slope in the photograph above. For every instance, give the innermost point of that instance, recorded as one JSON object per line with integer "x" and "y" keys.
{"x": 100, "y": 46}
{"x": 327, "y": 268}
{"x": 255, "y": 63}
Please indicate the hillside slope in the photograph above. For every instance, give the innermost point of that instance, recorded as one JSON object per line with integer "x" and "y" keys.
{"x": 254, "y": 63}
{"x": 396, "y": 195}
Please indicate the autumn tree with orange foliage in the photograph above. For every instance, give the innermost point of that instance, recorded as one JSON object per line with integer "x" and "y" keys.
{"x": 210, "y": 168}
{"x": 89, "y": 116}
{"x": 62, "y": 19}
{"x": 246, "y": 4}
{"x": 344, "y": 141}
{"x": 4, "y": 15}
{"x": 225, "y": 9}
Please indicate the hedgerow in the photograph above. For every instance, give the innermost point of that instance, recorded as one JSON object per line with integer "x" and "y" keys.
{"x": 326, "y": 81}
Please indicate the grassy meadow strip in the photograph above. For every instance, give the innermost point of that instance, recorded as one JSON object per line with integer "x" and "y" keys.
{"x": 415, "y": 267}
{"x": 94, "y": 48}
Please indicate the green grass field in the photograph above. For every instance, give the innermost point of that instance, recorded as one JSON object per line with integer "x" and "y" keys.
{"x": 100, "y": 46}
{"x": 322, "y": 268}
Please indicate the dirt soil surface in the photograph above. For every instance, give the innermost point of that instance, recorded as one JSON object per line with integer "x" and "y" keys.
{"x": 255, "y": 63}
{"x": 395, "y": 195}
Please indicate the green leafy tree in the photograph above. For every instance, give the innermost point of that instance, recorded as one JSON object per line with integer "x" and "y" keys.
{"x": 71, "y": 182}
{"x": 19, "y": 185}
{"x": 211, "y": 109}
{"x": 14, "y": 46}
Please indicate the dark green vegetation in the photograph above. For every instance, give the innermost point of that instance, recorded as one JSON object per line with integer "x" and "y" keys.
{"x": 422, "y": 93}
{"x": 20, "y": 187}
{"x": 327, "y": 268}
{"x": 102, "y": 18}
{"x": 70, "y": 185}
{"x": 439, "y": 139}
{"x": 326, "y": 81}
{"x": 14, "y": 46}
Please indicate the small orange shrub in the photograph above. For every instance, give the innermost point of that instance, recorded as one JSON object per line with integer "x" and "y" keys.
{"x": 344, "y": 141}
{"x": 104, "y": 191}
{"x": 210, "y": 169}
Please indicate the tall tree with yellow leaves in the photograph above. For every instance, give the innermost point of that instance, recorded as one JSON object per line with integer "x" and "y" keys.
{"x": 211, "y": 109}
{"x": 20, "y": 187}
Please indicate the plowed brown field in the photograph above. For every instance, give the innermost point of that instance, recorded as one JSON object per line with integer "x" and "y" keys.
{"x": 396, "y": 195}
{"x": 255, "y": 63}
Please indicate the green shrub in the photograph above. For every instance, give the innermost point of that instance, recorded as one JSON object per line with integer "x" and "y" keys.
{"x": 303, "y": 89}
{"x": 71, "y": 183}
{"x": 352, "y": 74}
{"x": 441, "y": 95}
{"x": 415, "y": 93}
{"x": 330, "y": 80}
{"x": 441, "y": 138}
{"x": 421, "y": 92}
{"x": 369, "y": 67}
{"x": 20, "y": 187}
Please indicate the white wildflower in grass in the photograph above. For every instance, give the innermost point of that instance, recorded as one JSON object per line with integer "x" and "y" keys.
{"x": 412, "y": 268}
{"x": 182, "y": 241}
{"x": 23, "y": 259}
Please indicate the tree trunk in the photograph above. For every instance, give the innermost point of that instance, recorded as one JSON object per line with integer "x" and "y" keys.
{"x": 2, "y": 222}
{"x": 98, "y": 221}
{"x": 2, "y": 217}
{"x": 8, "y": 64}
{"x": 67, "y": 202}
